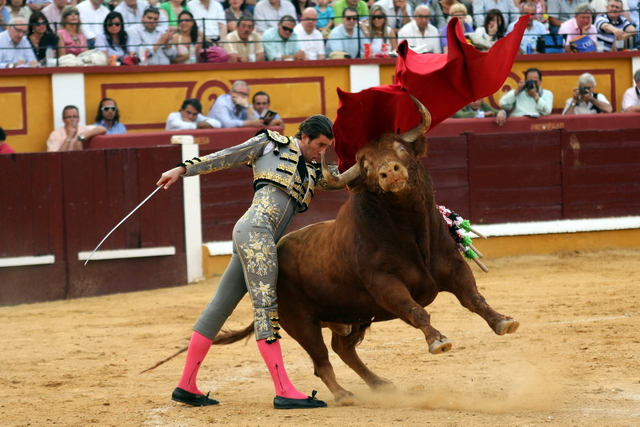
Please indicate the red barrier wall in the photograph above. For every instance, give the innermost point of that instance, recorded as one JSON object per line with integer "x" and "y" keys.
{"x": 452, "y": 127}
{"x": 64, "y": 203}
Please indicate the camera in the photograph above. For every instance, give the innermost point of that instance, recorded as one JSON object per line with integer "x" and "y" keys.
{"x": 530, "y": 84}
{"x": 584, "y": 90}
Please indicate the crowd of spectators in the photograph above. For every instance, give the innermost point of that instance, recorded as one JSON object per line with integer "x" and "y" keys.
{"x": 129, "y": 32}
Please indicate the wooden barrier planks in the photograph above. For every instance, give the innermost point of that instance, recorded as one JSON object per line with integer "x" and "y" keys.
{"x": 32, "y": 225}
{"x": 601, "y": 171}
{"x": 126, "y": 176}
{"x": 515, "y": 177}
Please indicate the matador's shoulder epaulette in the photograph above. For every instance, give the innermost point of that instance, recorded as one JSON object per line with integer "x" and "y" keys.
{"x": 274, "y": 136}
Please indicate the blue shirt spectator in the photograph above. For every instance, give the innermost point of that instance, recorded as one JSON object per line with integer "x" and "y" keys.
{"x": 6, "y": 17}
{"x": 532, "y": 32}
{"x": 324, "y": 17}
{"x": 281, "y": 42}
{"x": 109, "y": 117}
{"x": 344, "y": 36}
{"x": 233, "y": 110}
{"x": 15, "y": 49}
{"x": 227, "y": 112}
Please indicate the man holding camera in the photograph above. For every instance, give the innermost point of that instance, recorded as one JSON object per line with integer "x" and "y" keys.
{"x": 528, "y": 99}
{"x": 584, "y": 100}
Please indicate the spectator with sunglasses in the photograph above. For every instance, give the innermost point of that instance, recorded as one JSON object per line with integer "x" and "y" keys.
{"x": 71, "y": 39}
{"x": 40, "y": 35}
{"x": 113, "y": 41}
{"x": 92, "y": 14}
{"x": 188, "y": 35}
{"x": 281, "y": 43}
{"x": 345, "y": 37}
{"x": 268, "y": 13}
{"x": 109, "y": 117}
{"x": 361, "y": 8}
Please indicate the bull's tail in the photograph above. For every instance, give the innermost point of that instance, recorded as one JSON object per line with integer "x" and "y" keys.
{"x": 182, "y": 350}
{"x": 223, "y": 338}
{"x": 229, "y": 337}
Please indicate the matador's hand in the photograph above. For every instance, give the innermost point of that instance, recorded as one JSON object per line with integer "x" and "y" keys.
{"x": 170, "y": 176}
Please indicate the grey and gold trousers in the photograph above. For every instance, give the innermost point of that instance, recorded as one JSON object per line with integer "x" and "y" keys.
{"x": 253, "y": 267}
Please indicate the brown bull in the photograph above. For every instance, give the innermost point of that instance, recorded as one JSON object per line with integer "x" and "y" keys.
{"x": 387, "y": 255}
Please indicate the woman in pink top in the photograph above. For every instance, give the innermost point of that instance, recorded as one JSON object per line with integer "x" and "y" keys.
{"x": 71, "y": 38}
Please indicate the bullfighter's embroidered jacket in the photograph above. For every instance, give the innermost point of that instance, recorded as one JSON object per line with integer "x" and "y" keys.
{"x": 278, "y": 167}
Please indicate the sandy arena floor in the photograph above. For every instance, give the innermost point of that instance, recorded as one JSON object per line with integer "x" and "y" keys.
{"x": 575, "y": 361}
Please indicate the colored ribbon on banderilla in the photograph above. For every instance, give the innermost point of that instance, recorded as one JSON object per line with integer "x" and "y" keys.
{"x": 458, "y": 228}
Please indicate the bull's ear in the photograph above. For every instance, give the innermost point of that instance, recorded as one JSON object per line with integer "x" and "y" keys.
{"x": 356, "y": 186}
{"x": 420, "y": 147}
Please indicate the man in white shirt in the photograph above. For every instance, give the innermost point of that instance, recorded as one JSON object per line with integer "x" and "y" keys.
{"x": 420, "y": 34}
{"x": 190, "y": 117}
{"x": 215, "y": 26}
{"x": 131, "y": 11}
{"x": 631, "y": 98}
{"x": 92, "y": 15}
{"x": 309, "y": 38}
{"x": 157, "y": 44}
{"x": 584, "y": 100}
{"x": 268, "y": 13}
{"x": 528, "y": 98}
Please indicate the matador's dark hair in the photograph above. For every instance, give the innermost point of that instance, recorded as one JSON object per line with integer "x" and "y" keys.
{"x": 315, "y": 126}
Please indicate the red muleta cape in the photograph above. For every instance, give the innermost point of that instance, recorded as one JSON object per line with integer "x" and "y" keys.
{"x": 444, "y": 83}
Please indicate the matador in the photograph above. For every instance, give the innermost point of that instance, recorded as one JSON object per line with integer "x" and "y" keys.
{"x": 285, "y": 175}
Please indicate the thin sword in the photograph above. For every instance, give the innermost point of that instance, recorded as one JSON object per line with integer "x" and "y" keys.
{"x": 125, "y": 218}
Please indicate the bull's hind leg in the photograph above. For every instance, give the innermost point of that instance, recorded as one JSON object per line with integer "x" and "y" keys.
{"x": 308, "y": 333}
{"x": 345, "y": 346}
{"x": 463, "y": 286}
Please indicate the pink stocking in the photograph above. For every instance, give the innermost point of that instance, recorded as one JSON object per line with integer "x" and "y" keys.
{"x": 272, "y": 356}
{"x": 198, "y": 349}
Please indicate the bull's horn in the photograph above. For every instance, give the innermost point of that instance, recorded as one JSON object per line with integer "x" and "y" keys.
{"x": 341, "y": 180}
{"x": 422, "y": 128}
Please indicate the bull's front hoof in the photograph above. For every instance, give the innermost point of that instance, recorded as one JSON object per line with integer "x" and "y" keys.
{"x": 439, "y": 346}
{"x": 507, "y": 326}
{"x": 383, "y": 385}
{"x": 345, "y": 398}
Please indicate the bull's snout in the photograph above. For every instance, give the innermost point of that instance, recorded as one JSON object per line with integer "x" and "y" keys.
{"x": 392, "y": 176}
